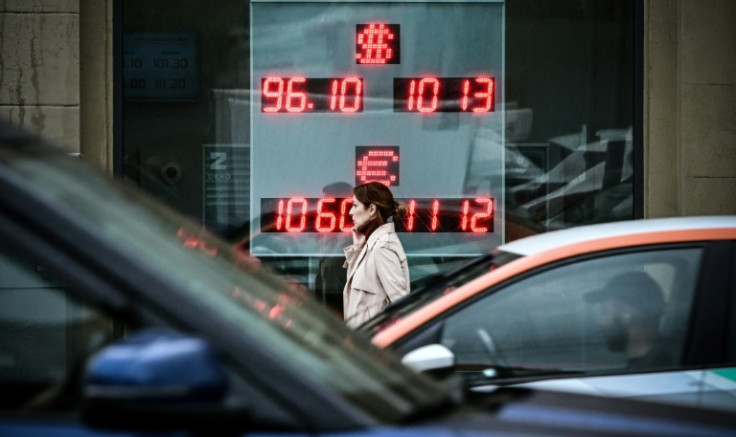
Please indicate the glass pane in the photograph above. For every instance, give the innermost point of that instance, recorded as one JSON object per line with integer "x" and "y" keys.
{"x": 490, "y": 120}
{"x": 637, "y": 318}
{"x": 569, "y": 114}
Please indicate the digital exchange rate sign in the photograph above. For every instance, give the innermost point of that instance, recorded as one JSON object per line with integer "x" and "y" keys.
{"x": 408, "y": 94}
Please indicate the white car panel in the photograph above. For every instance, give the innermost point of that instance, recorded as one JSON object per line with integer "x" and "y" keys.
{"x": 551, "y": 240}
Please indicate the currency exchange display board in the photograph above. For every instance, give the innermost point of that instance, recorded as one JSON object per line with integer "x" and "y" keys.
{"x": 406, "y": 93}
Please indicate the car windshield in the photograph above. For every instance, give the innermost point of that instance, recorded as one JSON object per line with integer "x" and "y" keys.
{"x": 435, "y": 287}
{"x": 282, "y": 318}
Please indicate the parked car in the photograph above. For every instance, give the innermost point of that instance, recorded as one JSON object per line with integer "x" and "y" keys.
{"x": 639, "y": 308}
{"x": 120, "y": 317}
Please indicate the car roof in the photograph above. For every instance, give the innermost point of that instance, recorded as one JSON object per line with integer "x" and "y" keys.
{"x": 551, "y": 240}
{"x": 544, "y": 249}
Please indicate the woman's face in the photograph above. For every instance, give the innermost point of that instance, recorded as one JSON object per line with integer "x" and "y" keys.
{"x": 360, "y": 214}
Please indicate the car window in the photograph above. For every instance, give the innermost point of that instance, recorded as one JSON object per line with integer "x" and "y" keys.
{"x": 436, "y": 286}
{"x": 635, "y": 317}
{"x": 46, "y": 337}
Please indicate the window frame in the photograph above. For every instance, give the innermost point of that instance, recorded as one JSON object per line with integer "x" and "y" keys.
{"x": 637, "y": 30}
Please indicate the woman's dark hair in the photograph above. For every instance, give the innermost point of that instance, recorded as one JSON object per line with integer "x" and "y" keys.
{"x": 380, "y": 195}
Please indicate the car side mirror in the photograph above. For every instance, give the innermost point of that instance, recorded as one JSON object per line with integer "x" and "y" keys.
{"x": 434, "y": 358}
{"x": 156, "y": 380}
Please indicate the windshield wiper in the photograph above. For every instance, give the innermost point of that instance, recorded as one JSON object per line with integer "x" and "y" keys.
{"x": 425, "y": 291}
{"x": 443, "y": 277}
{"x": 513, "y": 375}
{"x": 439, "y": 279}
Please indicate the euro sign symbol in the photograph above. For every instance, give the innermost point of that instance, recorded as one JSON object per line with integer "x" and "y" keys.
{"x": 374, "y": 166}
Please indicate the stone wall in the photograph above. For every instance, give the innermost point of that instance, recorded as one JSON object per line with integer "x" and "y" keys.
{"x": 39, "y": 67}
{"x": 690, "y": 107}
{"x": 708, "y": 106}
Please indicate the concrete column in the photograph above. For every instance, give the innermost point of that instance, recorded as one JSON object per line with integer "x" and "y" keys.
{"x": 96, "y": 74}
{"x": 708, "y": 106}
{"x": 689, "y": 107}
{"x": 661, "y": 100}
{"x": 39, "y": 67}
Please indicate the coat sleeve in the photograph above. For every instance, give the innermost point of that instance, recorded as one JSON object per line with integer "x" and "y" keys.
{"x": 390, "y": 272}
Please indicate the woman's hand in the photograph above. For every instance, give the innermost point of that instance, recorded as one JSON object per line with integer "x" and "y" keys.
{"x": 358, "y": 238}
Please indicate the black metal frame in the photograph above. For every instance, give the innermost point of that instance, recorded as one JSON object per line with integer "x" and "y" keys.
{"x": 117, "y": 94}
{"x": 638, "y": 98}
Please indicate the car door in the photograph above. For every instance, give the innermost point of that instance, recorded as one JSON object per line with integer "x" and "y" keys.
{"x": 544, "y": 324}
{"x": 46, "y": 337}
{"x": 716, "y": 348}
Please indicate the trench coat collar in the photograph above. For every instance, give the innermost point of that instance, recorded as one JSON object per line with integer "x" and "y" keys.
{"x": 384, "y": 229}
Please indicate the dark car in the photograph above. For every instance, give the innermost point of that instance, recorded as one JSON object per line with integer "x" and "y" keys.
{"x": 120, "y": 316}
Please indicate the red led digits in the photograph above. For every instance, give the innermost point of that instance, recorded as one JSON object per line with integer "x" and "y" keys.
{"x": 273, "y": 90}
{"x": 280, "y": 216}
{"x": 466, "y": 210}
{"x": 302, "y": 215}
{"x": 302, "y": 94}
{"x": 291, "y": 94}
{"x": 444, "y": 94}
{"x": 424, "y": 83}
{"x": 270, "y": 93}
{"x": 471, "y": 223}
{"x": 412, "y": 92}
{"x": 411, "y": 212}
{"x": 429, "y": 86}
{"x": 377, "y": 164}
{"x": 294, "y": 215}
{"x": 487, "y": 214}
{"x": 344, "y": 208}
{"x": 428, "y": 215}
{"x": 466, "y": 92}
{"x": 435, "y": 211}
{"x": 321, "y": 215}
{"x": 487, "y": 96}
{"x": 333, "y": 92}
{"x": 377, "y": 44}
{"x": 426, "y": 95}
{"x": 356, "y": 84}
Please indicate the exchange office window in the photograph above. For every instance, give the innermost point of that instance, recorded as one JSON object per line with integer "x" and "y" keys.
{"x": 490, "y": 119}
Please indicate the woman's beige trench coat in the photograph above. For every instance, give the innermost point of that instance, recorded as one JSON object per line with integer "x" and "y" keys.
{"x": 378, "y": 274}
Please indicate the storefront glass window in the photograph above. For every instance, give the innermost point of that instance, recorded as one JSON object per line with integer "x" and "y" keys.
{"x": 491, "y": 120}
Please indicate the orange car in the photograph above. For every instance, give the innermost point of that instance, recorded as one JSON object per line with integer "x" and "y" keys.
{"x": 643, "y": 308}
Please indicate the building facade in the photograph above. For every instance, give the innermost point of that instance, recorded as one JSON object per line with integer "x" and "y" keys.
{"x": 666, "y": 67}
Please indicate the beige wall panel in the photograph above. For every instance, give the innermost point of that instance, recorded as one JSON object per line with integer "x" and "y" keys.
{"x": 708, "y": 41}
{"x": 709, "y": 196}
{"x": 57, "y": 124}
{"x": 96, "y": 75}
{"x": 39, "y": 5}
{"x": 709, "y": 130}
{"x": 661, "y": 97}
{"x": 39, "y": 54}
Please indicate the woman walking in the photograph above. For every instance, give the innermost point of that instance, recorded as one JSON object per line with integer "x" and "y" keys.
{"x": 378, "y": 272}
